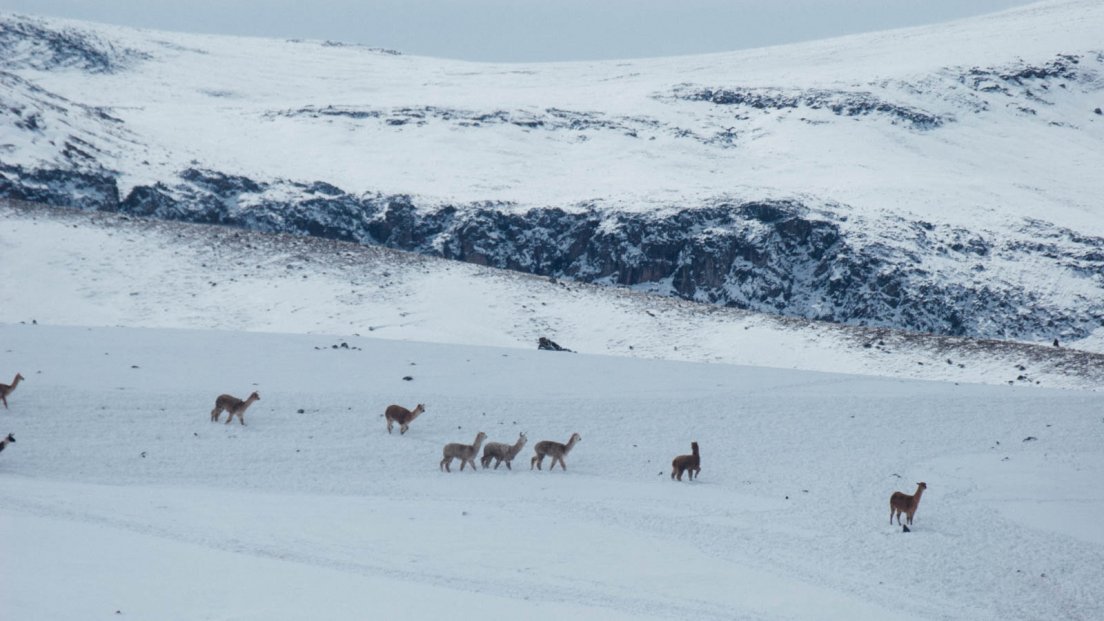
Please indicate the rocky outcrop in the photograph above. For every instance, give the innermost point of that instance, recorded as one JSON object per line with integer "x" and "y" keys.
{"x": 29, "y": 43}
{"x": 839, "y": 102}
{"x": 780, "y": 257}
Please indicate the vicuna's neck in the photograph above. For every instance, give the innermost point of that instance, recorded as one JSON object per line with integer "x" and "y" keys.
{"x": 919, "y": 490}
{"x": 18, "y": 378}
{"x": 570, "y": 443}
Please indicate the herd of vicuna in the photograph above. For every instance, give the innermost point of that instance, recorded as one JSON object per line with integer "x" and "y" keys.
{"x": 899, "y": 503}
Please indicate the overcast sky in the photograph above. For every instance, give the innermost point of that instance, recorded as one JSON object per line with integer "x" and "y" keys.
{"x": 525, "y": 30}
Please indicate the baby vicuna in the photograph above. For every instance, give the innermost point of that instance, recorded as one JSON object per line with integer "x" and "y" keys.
{"x": 6, "y": 389}
{"x": 4, "y": 443}
{"x": 555, "y": 450}
{"x": 402, "y": 416}
{"x": 502, "y": 452}
{"x": 233, "y": 405}
{"x": 903, "y": 503}
{"x": 464, "y": 452}
{"x": 683, "y": 463}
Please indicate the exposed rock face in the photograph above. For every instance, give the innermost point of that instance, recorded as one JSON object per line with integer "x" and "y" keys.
{"x": 780, "y": 257}
{"x": 63, "y": 188}
{"x": 842, "y": 103}
{"x": 29, "y": 43}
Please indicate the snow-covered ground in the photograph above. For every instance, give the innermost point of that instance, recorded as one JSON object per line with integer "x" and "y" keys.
{"x": 120, "y": 494}
{"x": 123, "y": 500}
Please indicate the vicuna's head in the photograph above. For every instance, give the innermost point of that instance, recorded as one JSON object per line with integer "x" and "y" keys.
{"x": 694, "y": 447}
{"x": 575, "y": 438}
{"x": 921, "y": 486}
{"x": 417, "y": 411}
{"x": 256, "y": 396}
{"x": 522, "y": 437}
{"x": 10, "y": 438}
{"x": 479, "y": 437}
{"x": 19, "y": 376}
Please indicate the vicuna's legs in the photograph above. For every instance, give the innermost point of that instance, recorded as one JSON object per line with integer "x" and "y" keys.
{"x": 240, "y": 414}
{"x": 536, "y": 461}
{"x": 215, "y": 413}
{"x": 445, "y": 464}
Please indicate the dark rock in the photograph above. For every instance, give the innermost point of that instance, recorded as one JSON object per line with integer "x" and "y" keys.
{"x": 549, "y": 345}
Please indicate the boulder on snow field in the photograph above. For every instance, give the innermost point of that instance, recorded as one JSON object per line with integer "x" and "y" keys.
{"x": 550, "y": 345}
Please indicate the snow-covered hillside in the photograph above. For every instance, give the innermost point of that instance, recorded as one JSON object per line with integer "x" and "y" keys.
{"x": 75, "y": 268}
{"x": 123, "y": 500}
{"x": 942, "y": 179}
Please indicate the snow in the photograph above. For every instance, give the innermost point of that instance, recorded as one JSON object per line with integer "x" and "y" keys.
{"x": 120, "y": 485}
{"x": 123, "y": 500}
{"x": 235, "y": 105}
{"x": 106, "y": 270}
{"x": 120, "y": 488}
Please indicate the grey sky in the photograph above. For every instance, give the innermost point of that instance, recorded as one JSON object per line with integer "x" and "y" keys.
{"x": 525, "y": 30}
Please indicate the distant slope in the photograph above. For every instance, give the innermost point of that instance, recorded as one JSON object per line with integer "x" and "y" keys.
{"x": 72, "y": 268}
{"x": 940, "y": 179}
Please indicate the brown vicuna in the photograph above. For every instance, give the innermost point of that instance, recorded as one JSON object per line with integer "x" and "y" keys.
{"x": 464, "y": 452}
{"x": 4, "y": 443}
{"x": 6, "y": 389}
{"x": 555, "y": 450}
{"x": 903, "y": 503}
{"x": 402, "y": 416}
{"x": 683, "y": 463}
{"x": 233, "y": 405}
{"x": 502, "y": 452}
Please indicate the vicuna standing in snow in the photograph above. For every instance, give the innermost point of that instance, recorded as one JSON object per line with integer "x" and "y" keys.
{"x": 233, "y": 405}
{"x": 402, "y": 416}
{"x": 6, "y": 389}
{"x": 502, "y": 452}
{"x": 4, "y": 443}
{"x": 903, "y": 503}
{"x": 555, "y": 450}
{"x": 684, "y": 463}
{"x": 464, "y": 452}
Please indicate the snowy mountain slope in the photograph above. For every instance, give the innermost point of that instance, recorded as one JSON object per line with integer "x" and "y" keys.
{"x": 106, "y": 269}
{"x": 941, "y": 179}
